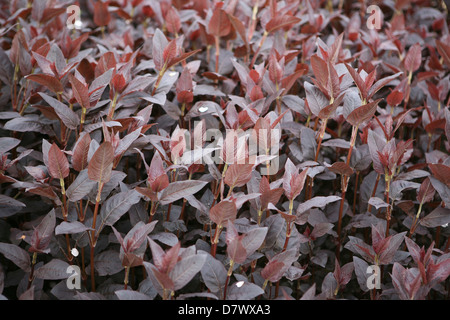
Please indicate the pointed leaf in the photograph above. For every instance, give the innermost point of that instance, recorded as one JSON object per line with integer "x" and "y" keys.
{"x": 70, "y": 228}
{"x": 54, "y": 270}
{"x": 380, "y": 84}
{"x": 219, "y": 24}
{"x": 16, "y": 254}
{"x": 80, "y": 152}
{"x": 179, "y": 189}
{"x": 7, "y": 144}
{"x": 116, "y": 206}
{"x": 80, "y": 92}
{"x": 318, "y": 201}
{"x": 58, "y": 163}
{"x": 186, "y": 269}
{"x": 80, "y": 187}
{"x": 247, "y": 291}
{"x": 363, "y": 113}
{"x": 101, "y": 163}
{"x": 131, "y": 295}
{"x": 281, "y": 21}
{"x": 223, "y": 212}
{"x": 413, "y": 58}
{"x": 316, "y": 99}
{"x": 214, "y": 274}
{"x": 43, "y": 233}
{"x": 51, "y": 82}
{"x": 67, "y": 116}
{"x": 438, "y": 217}
{"x": 238, "y": 175}
{"x": 254, "y": 239}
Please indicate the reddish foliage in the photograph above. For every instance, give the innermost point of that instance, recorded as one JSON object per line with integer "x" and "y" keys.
{"x": 190, "y": 146}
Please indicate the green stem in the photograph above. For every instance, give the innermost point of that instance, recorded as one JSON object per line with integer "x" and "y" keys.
{"x": 158, "y": 80}
{"x": 416, "y": 219}
{"x": 127, "y": 274}
{"x": 216, "y": 240}
{"x": 288, "y": 226}
{"x": 259, "y": 216}
{"x": 153, "y": 208}
{"x": 259, "y": 48}
{"x": 83, "y": 118}
{"x": 388, "y": 208}
{"x": 229, "y": 273}
{"x": 112, "y": 107}
{"x": 217, "y": 42}
{"x": 31, "y": 277}
{"x": 253, "y": 22}
{"x": 265, "y": 284}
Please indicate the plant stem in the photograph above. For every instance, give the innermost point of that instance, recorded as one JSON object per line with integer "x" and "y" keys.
{"x": 310, "y": 181}
{"x": 259, "y": 48}
{"x": 153, "y": 208}
{"x": 230, "y": 191}
{"x": 344, "y": 184}
{"x": 217, "y": 42}
{"x": 253, "y": 22}
{"x": 229, "y": 273}
{"x": 182, "y": 217}
{"x": 65, "y": 214}
{"x": 215, "y": 240}
{"x": 288, "y": 226}
{"x": 369, "y": 207}
{"x": 83, "y": 118}
{"x": 259, "y": 216}
{"x": 388, "y": 208}
{"x": 127, "y": 274}
{"x": 341, "y": 210}
{"x": 83, "y": 267}
{"x": 323, "y": 127}
{"x": 437, "y": 239}
{"x": 93, "y": 235}
{"x": 14, "y": 87}
{"x": 278, "y": 101}
{"x": 158, "y": 80}
{"x": 92, "y": 268}
{"x": 355, "y": 192}
{"x": 31, "y": 277}
{"x": 168, "y": 212}
{"x": 265, "y": 284}
{"x": 81, "y": 214}
{"x": 416, "y": 219}
{"x": 23, "y": 106}
{"x": 183, "y": 109}
{"x": 112, "y": 107}
{"x": 352, "y": 143}
{"x": 97, "y": 203}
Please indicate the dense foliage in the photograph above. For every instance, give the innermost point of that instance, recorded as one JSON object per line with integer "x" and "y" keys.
{"x": 109, "y": 171}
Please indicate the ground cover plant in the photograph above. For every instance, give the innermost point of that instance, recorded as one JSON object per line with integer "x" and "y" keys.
{"x": 253, "y": 149}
